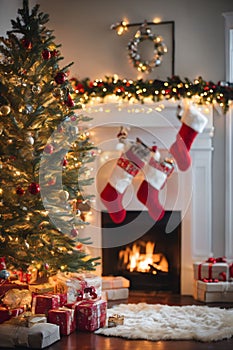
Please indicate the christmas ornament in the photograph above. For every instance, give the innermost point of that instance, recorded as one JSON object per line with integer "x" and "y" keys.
{"x": 29, "y": 139}
{"x": 74, "y": 233}
{"x": 4, "y": 274}
{"x": 127, "y": 167}
{"x": 60, "y": 78}
{"x": 36, "y": 89}
{"x": 144, "y": 33}
{"x": 20, "y": 191}
{"x": 156, "y": 174}
{"x": 27, "y": 44}
{"x": 193, "y": 123}
{"x": 57, "y": 92}
{"x": 63, "y": 195}
{"x": 5, "y": 110}
{"x": 69, "y": 101}
{"x": 46, "y": 54}
{"x": 34, "y": 188}
{"x": 2, "y": 263}
{"x": 64, "y": 162}
{"x": 49, "y": 149}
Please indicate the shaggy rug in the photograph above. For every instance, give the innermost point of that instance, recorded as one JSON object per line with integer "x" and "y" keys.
{"x": 163, "y": 322}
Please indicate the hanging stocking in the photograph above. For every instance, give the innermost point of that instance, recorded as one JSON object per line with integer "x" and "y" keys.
{"x": 127, "y": 167}
{"x": 156, "y": 175}
{"x": 193, "y": 123}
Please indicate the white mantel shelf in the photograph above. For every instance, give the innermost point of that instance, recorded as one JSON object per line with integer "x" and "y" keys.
{"x": 189, "y": 192}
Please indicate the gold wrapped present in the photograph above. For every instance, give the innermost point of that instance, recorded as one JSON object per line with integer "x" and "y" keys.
{"x": 115, "y": 320}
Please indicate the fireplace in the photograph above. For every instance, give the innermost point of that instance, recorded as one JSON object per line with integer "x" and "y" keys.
{"x": 152, "y": 261}
{"x": 188, "y": 193}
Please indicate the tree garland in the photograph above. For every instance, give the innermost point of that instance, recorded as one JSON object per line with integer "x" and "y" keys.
{"x": 157, "y": 90}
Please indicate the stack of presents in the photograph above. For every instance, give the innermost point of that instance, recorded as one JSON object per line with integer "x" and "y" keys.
{"x": 35, "y": 316}
{"x": 213, "y": 280}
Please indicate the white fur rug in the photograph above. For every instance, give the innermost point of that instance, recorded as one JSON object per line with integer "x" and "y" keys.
{"x": 163, "y": 322}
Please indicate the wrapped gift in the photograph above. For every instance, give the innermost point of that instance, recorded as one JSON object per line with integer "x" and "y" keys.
{"x": 114, "y": 282}
{"x": 65, "y": 318}
{"x": 91, "y": 314}
{"x": 27, "y": 320}
{"x": 213, "y": 291}
{"x": 44, "y": 303}
{"x": 7, "y": 313}
{"x": 117, "y": 294}
{"x": 40, "y": 336}
{"x": 212, "y": 269}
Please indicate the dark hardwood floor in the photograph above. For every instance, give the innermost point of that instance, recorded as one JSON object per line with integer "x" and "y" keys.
{"x": 90, "y": 341}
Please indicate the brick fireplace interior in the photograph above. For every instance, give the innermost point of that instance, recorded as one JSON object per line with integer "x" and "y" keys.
{"x": 152, "y": 261}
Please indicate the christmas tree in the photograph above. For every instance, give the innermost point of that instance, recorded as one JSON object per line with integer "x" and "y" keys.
{"x": 45, "y": 153}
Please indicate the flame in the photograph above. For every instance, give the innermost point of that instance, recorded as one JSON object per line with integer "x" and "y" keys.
{"x": 134, "y": 260}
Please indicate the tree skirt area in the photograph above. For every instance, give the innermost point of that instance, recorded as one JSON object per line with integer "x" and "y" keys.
{"x": 163, "y": 322}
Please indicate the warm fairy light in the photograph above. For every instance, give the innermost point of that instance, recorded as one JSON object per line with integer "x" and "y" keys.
{"x": 157, "y": 20}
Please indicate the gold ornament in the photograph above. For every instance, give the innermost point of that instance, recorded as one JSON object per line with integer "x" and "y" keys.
{"x": 57, "y": 92}
{"x": 5, "y": 110}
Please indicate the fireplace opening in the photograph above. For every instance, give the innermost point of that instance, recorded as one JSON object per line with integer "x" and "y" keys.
{"x": 153, "y": 260}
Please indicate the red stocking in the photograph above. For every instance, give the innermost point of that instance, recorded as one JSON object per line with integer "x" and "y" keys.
{"x": 193, "y": 123}
{"x": 156, "y": 176}
{"x": 127, "y": 167}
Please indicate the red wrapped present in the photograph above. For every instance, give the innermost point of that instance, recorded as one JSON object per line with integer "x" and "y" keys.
{"x": 212, "y": 269}
{"x": 91, "y": 314}
{"x": 6, "y": 313}
{"x": 63, "y": 317}
{"x": 44, "y": 303}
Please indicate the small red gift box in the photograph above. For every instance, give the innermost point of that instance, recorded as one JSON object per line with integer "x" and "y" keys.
{"x": 6, "y": 314}
{"x": 64, "y": 318}
{"x": 44, "y": 303}
{"x": 91, "y": 314}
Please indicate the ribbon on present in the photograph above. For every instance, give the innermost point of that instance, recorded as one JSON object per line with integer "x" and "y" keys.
{"x": 211, "y": 261}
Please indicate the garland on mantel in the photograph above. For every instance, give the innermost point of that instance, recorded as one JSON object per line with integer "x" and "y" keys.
{"x": 157, "y": 90}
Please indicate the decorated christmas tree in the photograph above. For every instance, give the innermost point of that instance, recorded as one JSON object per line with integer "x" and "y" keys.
{"x": 45, "y": 153}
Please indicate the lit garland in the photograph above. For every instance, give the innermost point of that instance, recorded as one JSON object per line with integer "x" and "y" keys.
{"x": 204, "y": 92}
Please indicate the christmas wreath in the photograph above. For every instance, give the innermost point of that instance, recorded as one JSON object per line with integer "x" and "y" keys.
{"x": 146, "y": 66}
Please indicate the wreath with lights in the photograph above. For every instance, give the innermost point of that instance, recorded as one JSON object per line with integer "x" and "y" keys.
{"x": 160, "y": 49}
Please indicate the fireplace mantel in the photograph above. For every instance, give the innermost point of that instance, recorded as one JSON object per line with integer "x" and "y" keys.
{"x": 189, "y": 192}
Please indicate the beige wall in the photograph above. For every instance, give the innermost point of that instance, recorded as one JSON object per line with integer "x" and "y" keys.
{"x": 83, "y": 29}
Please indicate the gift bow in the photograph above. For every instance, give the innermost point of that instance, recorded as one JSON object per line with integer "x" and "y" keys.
{"x": 88, "y": 293}
{"x": 216, "y": 260}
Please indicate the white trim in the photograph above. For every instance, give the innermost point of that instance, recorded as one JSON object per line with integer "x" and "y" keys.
{"x": 228, "y": 141}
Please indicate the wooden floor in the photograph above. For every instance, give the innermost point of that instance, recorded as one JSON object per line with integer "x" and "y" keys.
{"x": 90, "y": 341}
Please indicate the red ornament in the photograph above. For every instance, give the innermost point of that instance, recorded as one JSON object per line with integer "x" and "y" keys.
{"x": 54, "y": 53}
{"x": 46, "y": 54}
{"x": 80, "y": 88}
{"x": 49, "y": 149}
{"x": 2, "y": 263}
{"x": 60, "y": 78}
{"x": 64, "y": 162}
{"x": 27, "y": 44}
{"x": 74, "y": 233}
{"x": 34, "y": 188}
{"x": 69, "y": 102}
{"x": 20, "y": 191}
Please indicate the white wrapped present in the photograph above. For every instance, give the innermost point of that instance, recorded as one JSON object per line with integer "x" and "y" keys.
{"x": 213, "y": 291}
{"x": 114, "y": 282}
{"x": 117, "y": 294}
{"x": 211, "y": 269}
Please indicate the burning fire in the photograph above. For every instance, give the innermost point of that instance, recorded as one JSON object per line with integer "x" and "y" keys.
{"x": 134, "y": 260}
